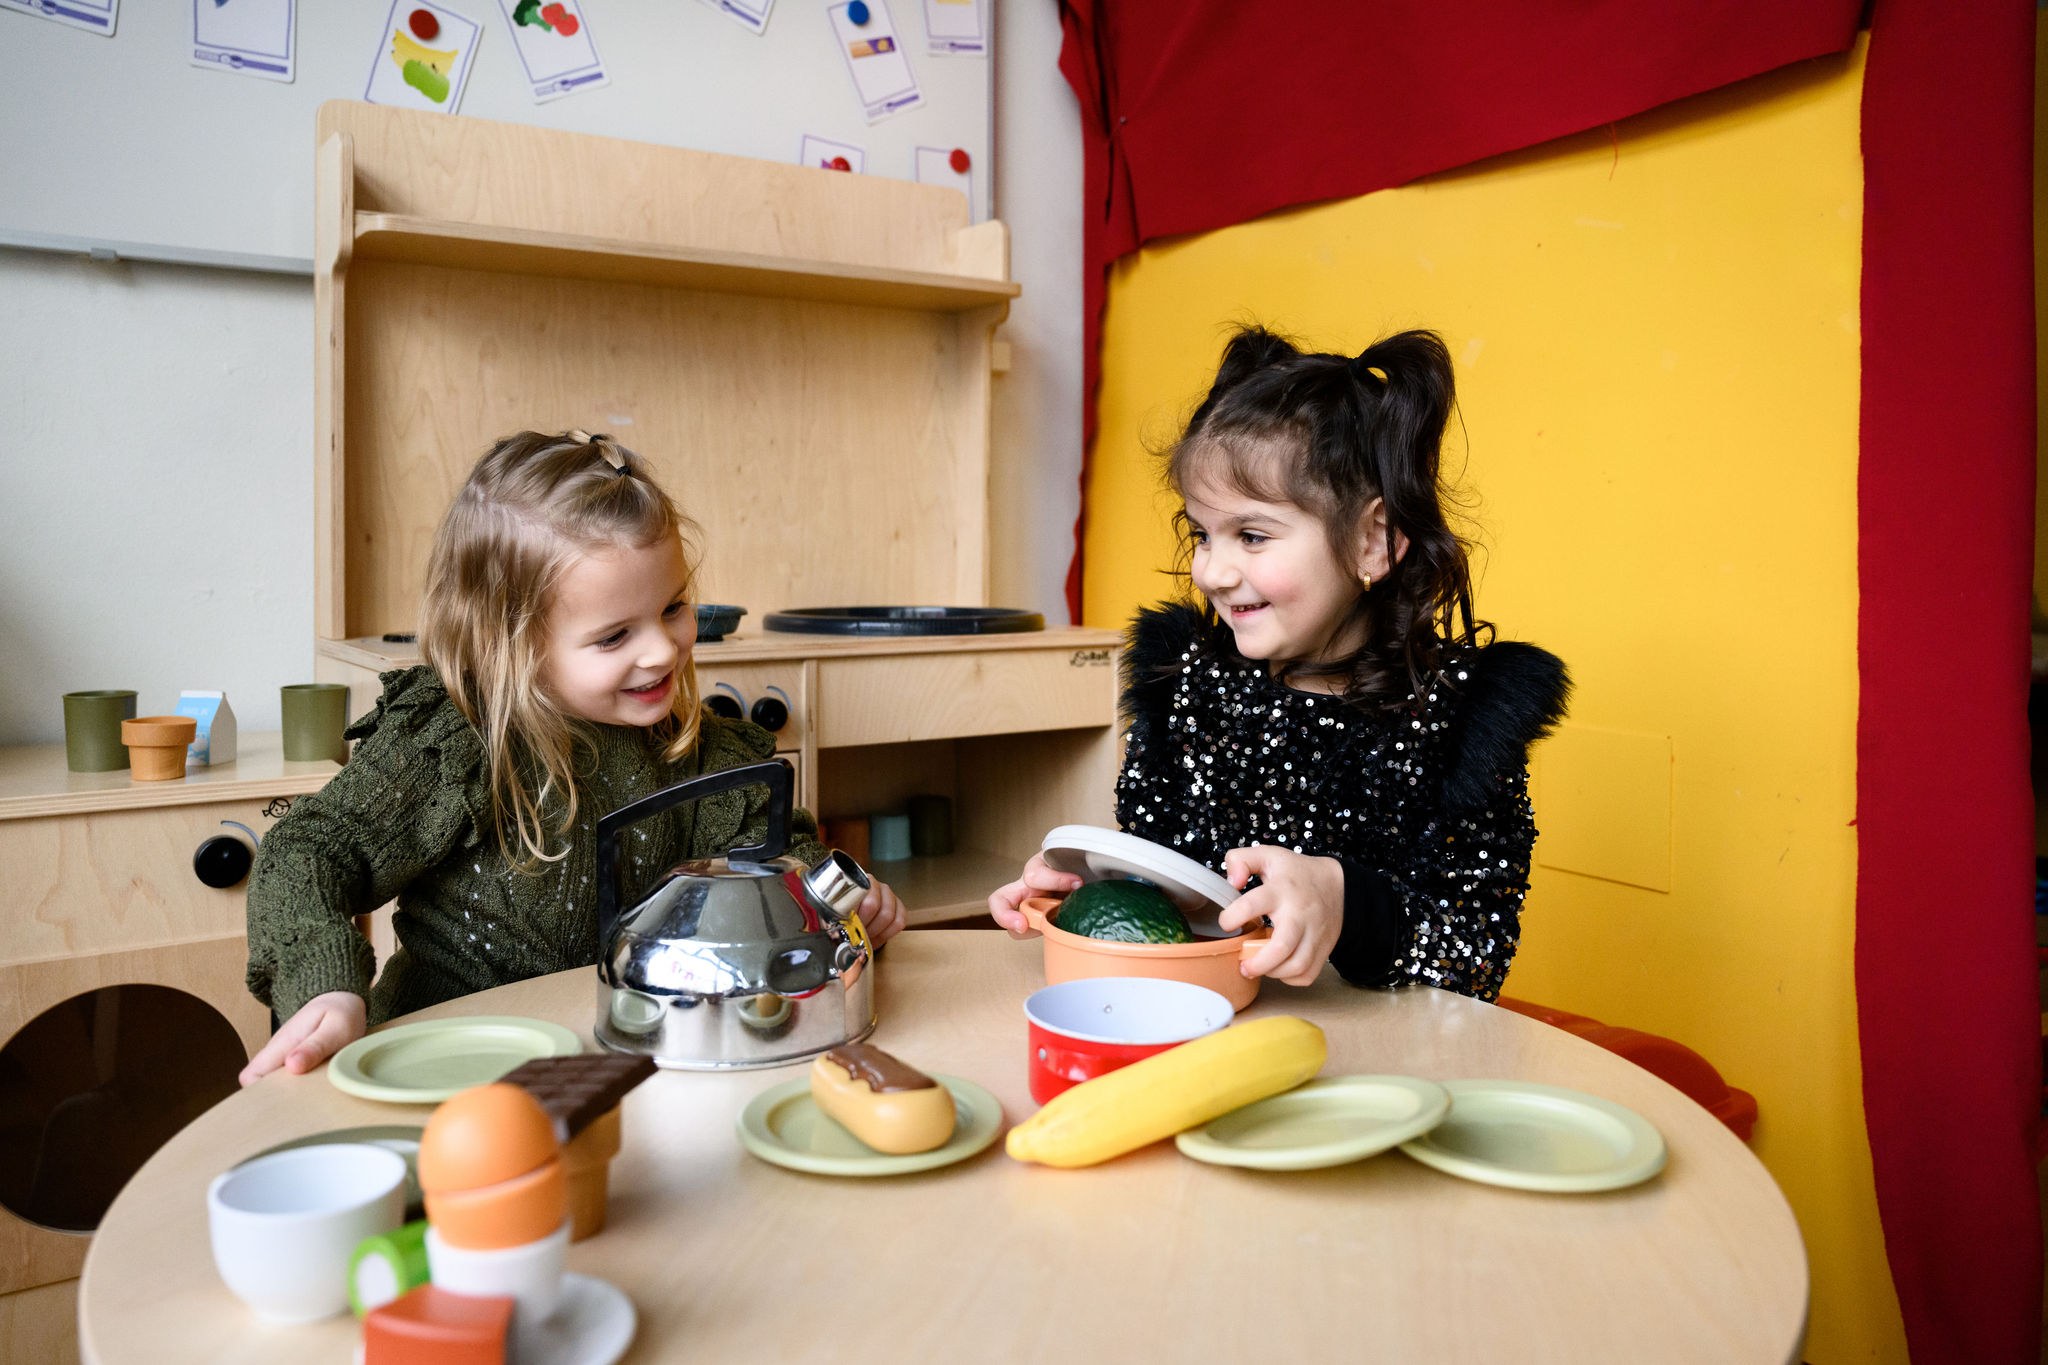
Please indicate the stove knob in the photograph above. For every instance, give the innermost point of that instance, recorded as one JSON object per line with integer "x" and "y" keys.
{"x": 724, "y": 704}
{"x": 770, "y": 713}
{"x": 222, "y": 861}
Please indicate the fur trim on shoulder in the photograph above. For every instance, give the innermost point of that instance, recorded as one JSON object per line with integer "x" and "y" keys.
{"x": 1159, "y": 636}
{"x": 1516, "y": 694}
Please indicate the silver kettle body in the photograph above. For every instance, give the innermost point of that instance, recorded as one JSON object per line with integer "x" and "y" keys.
{"x": 748, "y": 960}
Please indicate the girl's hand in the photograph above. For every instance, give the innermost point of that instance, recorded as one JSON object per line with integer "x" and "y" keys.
{"x": 882, "y": 913}
{"x": 1303, "y": 896}
{"x": 323, "y": 1026}
{"x": 1038, "y": 880}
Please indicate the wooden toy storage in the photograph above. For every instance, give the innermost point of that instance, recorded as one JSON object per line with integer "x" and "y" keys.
{"x": 122, "y": 1005}
{"x": 805, "y": 357}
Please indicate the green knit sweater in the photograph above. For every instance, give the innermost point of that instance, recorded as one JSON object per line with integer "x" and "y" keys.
{"x": 409, "y": 816}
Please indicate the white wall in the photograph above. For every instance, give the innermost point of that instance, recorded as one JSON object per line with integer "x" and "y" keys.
{"x": 156, "y": 436}
{"x": 1034, "y": 492}
{"x": 156, "y": 523}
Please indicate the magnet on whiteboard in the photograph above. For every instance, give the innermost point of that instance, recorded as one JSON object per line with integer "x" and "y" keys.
{"x": 857, "y": 13}
{"x": 959, "y": 161}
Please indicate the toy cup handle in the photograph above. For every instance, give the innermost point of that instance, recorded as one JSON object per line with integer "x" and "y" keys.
{"x": 1255, "y": 940}
{"x": 1036, "y": 910}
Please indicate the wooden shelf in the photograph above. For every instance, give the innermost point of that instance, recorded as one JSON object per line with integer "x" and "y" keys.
{"x": 468, "y": 246}
{"x": 34, "y": 781}
{"x": 756, "y": 646}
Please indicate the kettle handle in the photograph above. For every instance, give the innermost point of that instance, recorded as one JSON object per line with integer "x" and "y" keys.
{"x": 775, "y": 774}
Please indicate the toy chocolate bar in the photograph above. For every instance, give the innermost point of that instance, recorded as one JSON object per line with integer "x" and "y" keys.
{"x": 576, "y": 1091}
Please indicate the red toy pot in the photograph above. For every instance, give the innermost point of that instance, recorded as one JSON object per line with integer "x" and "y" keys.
{"x": 1086, "y": 1028}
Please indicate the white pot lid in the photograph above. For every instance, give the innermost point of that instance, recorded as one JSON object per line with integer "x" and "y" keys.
{"x": 1095, "y": 854}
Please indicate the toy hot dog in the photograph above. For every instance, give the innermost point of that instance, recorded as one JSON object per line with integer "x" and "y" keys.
{"x": 889, "y": 1105}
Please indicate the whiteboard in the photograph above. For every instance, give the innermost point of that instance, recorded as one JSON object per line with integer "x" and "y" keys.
{"x": 121, "y": 143}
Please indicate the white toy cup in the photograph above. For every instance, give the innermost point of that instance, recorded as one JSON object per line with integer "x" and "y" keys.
{"x": 283, "y": 1226}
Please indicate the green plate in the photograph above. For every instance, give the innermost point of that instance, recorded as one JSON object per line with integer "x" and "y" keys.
{"x": 1539, "y": 1137}
{"x": 425, "y": 1063}
{"x": 1323, "y": 1123}
{"x": 785, "y": 1126}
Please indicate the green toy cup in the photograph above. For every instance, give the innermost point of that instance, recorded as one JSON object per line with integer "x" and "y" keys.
{"x": 315, "y": 714}
{"x": 92, "y": 729}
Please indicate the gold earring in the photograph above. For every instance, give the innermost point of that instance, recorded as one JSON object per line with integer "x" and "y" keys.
{"x": 1368, "y": 583}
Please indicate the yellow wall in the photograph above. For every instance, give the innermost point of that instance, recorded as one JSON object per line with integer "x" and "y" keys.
{"x": 1657, "y": 348}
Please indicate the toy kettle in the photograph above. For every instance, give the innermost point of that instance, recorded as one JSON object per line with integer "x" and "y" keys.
{"x": 748, "y": 960}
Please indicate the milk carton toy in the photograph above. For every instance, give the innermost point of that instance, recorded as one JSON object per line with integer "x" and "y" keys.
{"x": 215, "y": 742}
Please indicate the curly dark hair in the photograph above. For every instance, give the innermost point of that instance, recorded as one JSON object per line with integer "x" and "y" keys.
{"x": 1330, "y": 433}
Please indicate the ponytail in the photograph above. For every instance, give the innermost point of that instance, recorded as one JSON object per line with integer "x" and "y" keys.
{"x": 1351, "y": 429}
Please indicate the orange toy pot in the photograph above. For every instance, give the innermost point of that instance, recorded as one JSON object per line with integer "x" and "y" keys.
{"x": 1210, "y": 962}
{"x": 156, "y": 746}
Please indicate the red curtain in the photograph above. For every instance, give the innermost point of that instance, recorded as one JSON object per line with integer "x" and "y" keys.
{"x": 1196, "y": 115}
{"x": 1945, "y": 978}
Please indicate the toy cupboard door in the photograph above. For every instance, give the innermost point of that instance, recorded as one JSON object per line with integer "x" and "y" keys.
{"x": 136, "y": 1023}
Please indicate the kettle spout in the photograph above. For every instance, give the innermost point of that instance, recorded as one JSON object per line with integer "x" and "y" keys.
{"x": 837, "y": 884}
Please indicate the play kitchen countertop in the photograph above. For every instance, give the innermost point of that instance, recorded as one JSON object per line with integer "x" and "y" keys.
{"x": 1149, "y": 1257}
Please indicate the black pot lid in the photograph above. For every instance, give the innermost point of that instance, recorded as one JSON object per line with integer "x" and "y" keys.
{"x": 903, "y": 621}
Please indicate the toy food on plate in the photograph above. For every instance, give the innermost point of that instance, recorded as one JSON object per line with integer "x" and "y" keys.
{"x": 430, "y": 1326}
{"x": 1156, "y": 1097}
{"x": 1123, "y": 912}
{"x": 886, "y": 1103}
{"x": 491, "y": 1168}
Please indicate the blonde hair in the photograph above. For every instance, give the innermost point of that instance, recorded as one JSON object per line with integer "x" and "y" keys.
{"x": 531, "y": 508}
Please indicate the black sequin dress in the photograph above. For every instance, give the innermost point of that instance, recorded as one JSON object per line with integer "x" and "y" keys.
{"x": 1426, "y": 806}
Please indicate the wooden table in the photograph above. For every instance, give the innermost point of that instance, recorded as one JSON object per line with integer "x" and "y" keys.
{"x": 1150, "y": 1257}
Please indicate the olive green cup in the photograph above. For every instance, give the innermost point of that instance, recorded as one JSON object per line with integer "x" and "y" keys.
{"x": 315, "y": 714}
{"x": 92, "y": 729}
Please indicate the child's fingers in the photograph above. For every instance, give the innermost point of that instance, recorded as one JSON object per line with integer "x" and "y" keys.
{"x": 269, "y": 1057}
{"x": 1286, "y": 937}
{"x": 1240, "y": 865}
{"x": 327, "y": 1037}
{"x": 1302, "y": 966}
{"x": 1039, "y": 877}
{"x": 1246, "y": 909}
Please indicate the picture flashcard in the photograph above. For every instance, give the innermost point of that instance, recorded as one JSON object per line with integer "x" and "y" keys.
{"x": 935, "y": 166}
{"x": 555, "y": 47}
{"x": 94, "y": 16}
{"x": 955, "y": 28}
{"x": 423, "y": 57}
{"x": 751, "y": 15}
{"x": 881, "y": 73}
{"x": 246, "y": 37}
{"x": 822, "y": 153}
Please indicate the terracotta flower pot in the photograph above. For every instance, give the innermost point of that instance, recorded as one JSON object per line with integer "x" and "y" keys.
{"x": 156, "y": 746}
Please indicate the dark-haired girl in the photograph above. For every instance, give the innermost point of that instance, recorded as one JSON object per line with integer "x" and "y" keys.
{"x": 1331, "y": 718}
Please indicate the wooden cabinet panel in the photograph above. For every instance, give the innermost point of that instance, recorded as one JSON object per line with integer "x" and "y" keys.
{"x": 890, "y": 700}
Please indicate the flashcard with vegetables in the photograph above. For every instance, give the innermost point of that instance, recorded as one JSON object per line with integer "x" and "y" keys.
{"x": 94, "y": 16}
{"x": 827, "y": 155}
{"x": 423, "y": 58}
{"x": 555, "y": 47}
{"x": 874, "y": 58}
{"x": 751, "y": 15}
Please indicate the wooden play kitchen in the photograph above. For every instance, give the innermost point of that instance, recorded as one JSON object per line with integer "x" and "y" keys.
{"x": 805, "y": 358}
{"x": 122, "y": 1008}
{"x": 990, "y": 1258}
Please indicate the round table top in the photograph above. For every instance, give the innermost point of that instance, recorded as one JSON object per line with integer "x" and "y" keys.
{"x": 1150, "y": 1256}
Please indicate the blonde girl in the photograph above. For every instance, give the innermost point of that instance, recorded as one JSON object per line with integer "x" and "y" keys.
{"x": 557, "y": 628}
